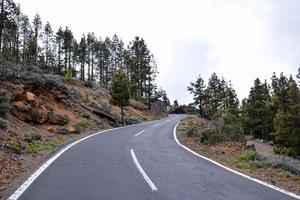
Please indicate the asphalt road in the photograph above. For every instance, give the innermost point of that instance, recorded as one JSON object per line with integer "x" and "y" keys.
{"x": 128, "y": 164}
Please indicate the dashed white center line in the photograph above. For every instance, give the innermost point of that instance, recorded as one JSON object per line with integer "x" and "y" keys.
{"x": 139, "y": 133}
{"x": 147, "y": 179}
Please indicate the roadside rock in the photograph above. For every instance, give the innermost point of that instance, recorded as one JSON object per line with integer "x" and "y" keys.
{"x": 73, "y": 130}
{"x": 62, "y": 131}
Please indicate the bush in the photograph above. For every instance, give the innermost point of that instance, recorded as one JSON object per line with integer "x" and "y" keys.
{"x": 32, "y": 136}
{"x": 250, "y": 160}
{"x": 209, "y": 136}
{"x": 131, "y": 120}
{"x": 82, "y": 125}
{"x": 106, "y": 107}
{"x": 284, "y": 151}
{"x": 137, "y": 104}
{"x": 214, "y": 138}
{"x": 285, "y": 173}
{"x": 193, "y": 131}
{"x": 89, "y": 83}
{"x": 4, "y": 124}
{"x": 4, "y": 104}
{"x": 247, "y": 156}
{"x": 69, "y": 76}
{"x": 33, "y": 148}
{"x": 16, "y": 149}
{"x": 86, "y": 115}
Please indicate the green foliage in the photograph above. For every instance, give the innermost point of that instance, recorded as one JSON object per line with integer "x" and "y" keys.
{"x": 287, "y": 120}
{"x": 34, "y": 148}
{"x": 69, "y": 76}
{"x": 4, "y": 124}
{"x": 210, "y": 136}
{"x": 86, "y": 115}
{"x": 106, "y": 107}
{"x": 82, "y": 125}
{"x": 250, "y": 160}
{"x": 285, "y": 173}
{"x": 16, "y": 149}
{"x": 33, "y": 136}
{"x": 257, "y": 114}
{"x": 131, "y": 120}
{"x": 247, "y": 156}
{"x": 193, "y": 131}
{"x": 120, "y": 91}
{"x": 4, "y": 104}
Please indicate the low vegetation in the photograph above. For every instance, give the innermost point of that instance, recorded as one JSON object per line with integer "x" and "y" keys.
{"x": 82, "y": 125}
{"x": 34, "y": 148}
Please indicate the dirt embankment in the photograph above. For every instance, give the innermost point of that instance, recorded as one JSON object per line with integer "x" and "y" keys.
{"x": 240, "y": 157}
{"x": 45, "y": 112}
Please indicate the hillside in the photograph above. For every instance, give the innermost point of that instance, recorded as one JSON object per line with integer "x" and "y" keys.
{"x": 44, "y": 112}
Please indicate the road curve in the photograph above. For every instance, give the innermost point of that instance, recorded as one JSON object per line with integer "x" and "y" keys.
{"x": 141, "y": 162}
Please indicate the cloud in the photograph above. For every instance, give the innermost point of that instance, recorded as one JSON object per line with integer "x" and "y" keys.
{"x": 240, "y": 40}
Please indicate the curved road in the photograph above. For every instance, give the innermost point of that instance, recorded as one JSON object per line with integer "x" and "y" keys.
{"x": 141, "y": 162}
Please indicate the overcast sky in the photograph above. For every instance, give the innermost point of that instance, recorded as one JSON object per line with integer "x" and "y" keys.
{"x": 240, "y": 40}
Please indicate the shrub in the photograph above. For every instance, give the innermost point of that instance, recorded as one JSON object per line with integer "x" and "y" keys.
{"x": 247, "y": 156}
{"x": 214, "y": 138}
{"x": 137, "y": 104}
{"x": 68, "y": 76}
{"x": 89, "y": 83}
{"x": 4, "y": 104}
{"x": 32, "y": 136}
{"x": 82, "y": 125}
{"x": 131, "y": 120}
{"x": 209, "y": 136}
{"x": 33, "y": 148}
{"x": 106, "y": 107}
{"x": 86, "y": 115}
{"x": 286, "y": 173}
{"x": 16, "y": 149}
{"x": 193, "y": 131}
{"x": 253, "y": 164}
{"x": 285, "y": 151}
{"x": 4, "y": 124}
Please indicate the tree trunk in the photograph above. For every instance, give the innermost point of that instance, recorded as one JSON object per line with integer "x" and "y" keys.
{"x": 122, "y": 113}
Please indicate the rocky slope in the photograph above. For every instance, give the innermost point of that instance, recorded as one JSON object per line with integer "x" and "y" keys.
{"x": 43, "y": 112}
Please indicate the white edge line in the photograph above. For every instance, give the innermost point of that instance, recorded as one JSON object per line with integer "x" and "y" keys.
{"x": 147, "y": 179}
{"x": 45, "y": 165}
{"x": 233, "y": 171}
{"x": 156, "y": 124}
{"x": 139, "y": 133}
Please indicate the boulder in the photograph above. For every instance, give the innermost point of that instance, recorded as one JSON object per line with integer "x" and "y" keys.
{"x": 73, "y": 130}
{"x": 62, "y": 131}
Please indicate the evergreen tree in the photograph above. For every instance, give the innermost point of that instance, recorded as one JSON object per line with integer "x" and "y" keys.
{"x": 59, "y": 41}
{"x": 48, "y": 41}
{"x": 82, "y": 56}
{"x": 198, "y": 90}
{"x": 260, "y": 118}
{"x": 37, "y": 26}
{"x": 120, "y": 90}
{"x": 287, "y": 120}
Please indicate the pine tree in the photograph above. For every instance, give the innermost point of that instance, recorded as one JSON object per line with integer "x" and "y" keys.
{"x": 214, "y": 96}
{"x": 59, "y": 42}
{"x": 198, "y": 90}
{"x": 258, "y": 114}
{"x": 48, "y": 41}
{"x": 37, "y": 26}
{"x": 120, "y": 90}
{"x": 82, "y": 56}
{"x": 287, "y": 120}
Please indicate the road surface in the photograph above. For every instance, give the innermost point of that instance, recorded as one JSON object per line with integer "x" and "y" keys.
{"x": 141, "y": 162}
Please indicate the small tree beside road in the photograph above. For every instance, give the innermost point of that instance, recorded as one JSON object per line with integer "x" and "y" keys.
{"x": 120, "y": 90}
